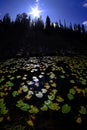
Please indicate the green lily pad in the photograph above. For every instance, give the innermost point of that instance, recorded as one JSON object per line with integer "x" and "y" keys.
{"x": 3, "y": 109}
{"x": 82, "y": 110}
{"x": 33, "y": 110}
{"x": 51, "y": 97}
{"x": 2, "y": 79}
{"x": 79, "y": 120}
{"x": 85, "y": 90}
{"x": 54, "y": 106}
{"x": 72, "y": 81}
{"x": 72, "y": 91}
{"x": 66, "y": 108}
{"x": 70, "y": 96}
{"x": 84, "y": 82}
{"x": 9, "y": 83}
{"x": 44, "y": 108}
{"x": 23, "y": 106}
{"x": 59, "y": 99}
{"x": 48, "y": 102}
{"x": 15, "y": 93}
{"x": 62, "y": 76}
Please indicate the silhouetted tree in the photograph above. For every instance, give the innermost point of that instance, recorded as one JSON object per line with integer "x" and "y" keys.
{"x": 48, "y": 22}
{"x": 6, "y": 19}
{"x": 39, "y": 24}
{"x": 83, "y": 29}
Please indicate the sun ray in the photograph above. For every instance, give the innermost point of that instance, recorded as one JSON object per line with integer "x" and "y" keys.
{"x": 35, "y": 12}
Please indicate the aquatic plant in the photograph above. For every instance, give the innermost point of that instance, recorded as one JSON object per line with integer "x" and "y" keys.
{"x": 44, "y": 107}
{"x": 72, "y": 91}
{"x": 15, "y": 93}
{"x": 33, "y": 109}
{"x": 66, "y": 108}
{"x": 70, "y": 96}
{"x": 59, "y": 99}
{"x": 23, "y": 106}
{"x": 82, "y": 110}
{"x": 9, "y": 83}
{"x": 51, "y": 97}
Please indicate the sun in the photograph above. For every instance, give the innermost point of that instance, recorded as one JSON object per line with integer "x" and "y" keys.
{"x": 35, "y": 12}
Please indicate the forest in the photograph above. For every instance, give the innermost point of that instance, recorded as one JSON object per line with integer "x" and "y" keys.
{"x": 34, "y": 37}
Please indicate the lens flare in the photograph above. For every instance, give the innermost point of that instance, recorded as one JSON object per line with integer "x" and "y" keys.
{"x": 35, "y": 12}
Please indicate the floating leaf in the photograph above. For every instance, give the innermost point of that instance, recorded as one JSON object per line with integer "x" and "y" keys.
{"x": 23, "y": 106}
{"x": 62, "y": 76}
{"x": 9, "y": 83}
{"x": 2, "y": 79}
{"x": 82, "y": 110}
{"x": 3, "y": 109}
{"x": 54, "y": 91}
{"x": 25, "y": 88}
{"x": 72, "y": 91}
{"x": 51, "y": 97}
{"x": 39, "y": 94}
{"x": 33, "y": 109}
{"x": 30, "y": 123}
{"x": 79, "y": 120}
{"x": 1, "y": 119}
{"x": 54, "y": 106}
{"x": 70, "y": 96}
{"x": 72, "y": 81}
{"x": 85, "y": 90}
{"x": 44, "y": 108}
{"x": 15, "y": 93}
{"x": 83, "y": 82}
{"x": 59, "y": 99}
{"x": 48, "y": 102}
{"x": 66, "y": 108}
{"x": 53, "y": 84}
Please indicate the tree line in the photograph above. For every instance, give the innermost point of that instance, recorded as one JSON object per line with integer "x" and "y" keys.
{"x": 34, "y": 36}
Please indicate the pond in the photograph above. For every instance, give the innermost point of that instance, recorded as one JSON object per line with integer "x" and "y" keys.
{"x": 43, "y": 93}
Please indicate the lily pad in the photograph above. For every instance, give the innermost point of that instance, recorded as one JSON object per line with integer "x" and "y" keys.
{"x": 51, "y": 97}
{"x": 25, "y": 88}
{"x": 70, "y": 96}
{"x": 82, "y": 110}
{"x": 62, "y": 76}
{"x": 72, "y": 91}
{"x": 3, "y": 109}
{"x": 30, "y": 123}
{"x": 72, "y": 81}
{"x": 59, "y": 99}
{"x": 9, "y": 83}
{"x": 85, "y": 90}
{"x": 44, "y": 108}
{"x": 33, "y": 109}
{"x": 54, "y": 106}
{"x": 66, "y": 108}
{"x": 79, "y": 120}
{"x": 15, "y": 93}
{"x": 2, "y": 79}
{"x": 23, "y": 106}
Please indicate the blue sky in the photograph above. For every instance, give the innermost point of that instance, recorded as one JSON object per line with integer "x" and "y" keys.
{"x": 74, "y": 11}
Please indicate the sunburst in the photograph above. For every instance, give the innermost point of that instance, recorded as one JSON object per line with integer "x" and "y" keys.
{"x": 35, "y": 12}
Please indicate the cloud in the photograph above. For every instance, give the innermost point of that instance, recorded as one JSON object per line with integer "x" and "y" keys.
{"x": 37, "y": 0}
{"x": 85, "y": 23}
{"x": 85, "y": 5}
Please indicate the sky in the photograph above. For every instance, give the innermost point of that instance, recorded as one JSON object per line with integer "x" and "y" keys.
{"x": 72, "y": 11}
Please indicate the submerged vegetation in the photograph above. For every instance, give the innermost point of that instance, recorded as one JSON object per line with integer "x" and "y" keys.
{"x": 34, "y": 90}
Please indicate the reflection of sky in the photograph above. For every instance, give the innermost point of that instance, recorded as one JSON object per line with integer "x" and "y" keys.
{"x": 74, "y": 11}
